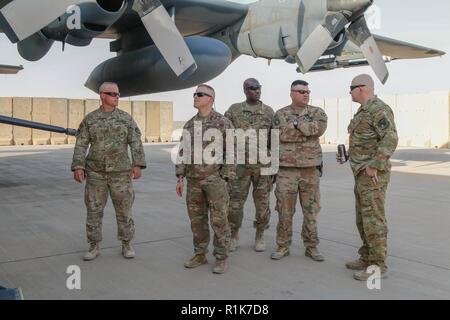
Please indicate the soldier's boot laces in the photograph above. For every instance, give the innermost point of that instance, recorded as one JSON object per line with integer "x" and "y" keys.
{"x": 127, "y": 250}
{"x": 280, "y": 253}
{"x": 220, "y": 266}
{"x": 260, "y": 245}
{"x": 356, "y": 265}
{"x": 364, "y": 275}
{"x": 314, "y": 254}
{"x": 93, "y": 252}
{"x": 196, "y": 261}
{"x": 234, "y": 241}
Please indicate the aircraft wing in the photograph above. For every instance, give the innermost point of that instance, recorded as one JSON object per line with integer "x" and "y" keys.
{"x": 351, "y": 56}
{"x": 4, "y": 69}
{"x": 397, "y": 49}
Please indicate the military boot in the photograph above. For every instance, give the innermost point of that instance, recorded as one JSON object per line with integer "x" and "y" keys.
{"x": 94, "y": 251}
{"x": 364, "y": 275}
{"x": 127, "y": 250}
{"x": 196, "y": 261}
{"x": 260, "y": 245}
{"x": 356, "y": 265}
{"x": 234, "y": 241}
{"x": 280, "y": 253}
{"x": 220, "y": 266}
{"x": 314, "y": 254}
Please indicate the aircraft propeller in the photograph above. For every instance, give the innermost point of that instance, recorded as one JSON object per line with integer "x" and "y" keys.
{"x": 21, "y": 19}
{"x": 340, "y": 13}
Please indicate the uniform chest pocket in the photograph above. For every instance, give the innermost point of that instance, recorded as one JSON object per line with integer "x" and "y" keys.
{"x": 244, "y": 120}
{"x": 97, "y": 131}
{"x": 360, "y": 125}
{"x": 119, "y": 131}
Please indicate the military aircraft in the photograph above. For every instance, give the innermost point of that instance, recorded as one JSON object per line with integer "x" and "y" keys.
{"x": 165, "y": 45}
{"x": 5, "y": 69}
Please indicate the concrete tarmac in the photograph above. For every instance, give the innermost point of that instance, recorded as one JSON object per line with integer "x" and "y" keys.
{"x": 42, "y": 233}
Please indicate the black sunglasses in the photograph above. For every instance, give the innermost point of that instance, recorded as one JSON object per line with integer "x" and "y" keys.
{"x": 302, "y": 91}
{"x": 112, "y": 94}
{"x": 253, "y": 88}
{"x": 354, "y": 87}
{"x": 201, "y": 94}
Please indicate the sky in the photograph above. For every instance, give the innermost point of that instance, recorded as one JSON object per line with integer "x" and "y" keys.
{"x": 63, "y": 74}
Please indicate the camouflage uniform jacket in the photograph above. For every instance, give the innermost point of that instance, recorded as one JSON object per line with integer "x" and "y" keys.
{"x": 245, "y": 116}
{"x": 108, "y": 134}
{"x": 373, "y": 136}
{"x": 191, "y": 170}
{"x": 300, "y": 147}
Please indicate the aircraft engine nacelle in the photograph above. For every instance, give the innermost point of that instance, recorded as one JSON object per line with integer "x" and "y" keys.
{"x": 145, "y": 71}
{"x": 276, "y": 29}
{"x": 76, "y": 27}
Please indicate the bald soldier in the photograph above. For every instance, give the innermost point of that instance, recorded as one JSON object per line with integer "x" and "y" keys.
{"x": 301, "y": 125}
{"x": 373, "y": 140}
{"x": 107, "y": 169}
{"x": 250, "y": 114}
{"x": 206, "y": 181}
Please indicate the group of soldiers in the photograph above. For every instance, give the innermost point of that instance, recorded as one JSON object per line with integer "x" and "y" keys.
{"x": 216, "y": 192}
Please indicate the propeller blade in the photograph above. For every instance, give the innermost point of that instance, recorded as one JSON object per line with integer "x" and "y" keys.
{"x": 34, "y": 47}
{"x": 19, "y": 19}
{"x": 166, "y": 37}
{"x": 359, "y": 33}
{"x": 319, "y": 40}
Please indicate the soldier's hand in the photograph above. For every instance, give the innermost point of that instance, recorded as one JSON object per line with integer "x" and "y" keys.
{"x": 137, "y": 173}
{"x": 180, "y": 187}
{"x": 373, "y": 173}
{"x": 338, "y": 157}
{"x": 79, "y": 175}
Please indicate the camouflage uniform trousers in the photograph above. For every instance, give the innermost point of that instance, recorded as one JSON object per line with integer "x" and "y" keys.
{"x": 290, "y": 182}
{"x": 370, "y": 217}
{"x": 239, "y": 189}
{"x": 206, "y": 195}
{"x": 119, "y": 186}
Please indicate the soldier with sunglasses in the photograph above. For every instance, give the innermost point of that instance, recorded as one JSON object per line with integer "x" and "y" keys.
{"x": 301, "y": 126}
{"x": 373, "y": 140}
{"x": 250, "y": 114}
{"x": 206, "y": 181}
{"x": 107, "y": 169}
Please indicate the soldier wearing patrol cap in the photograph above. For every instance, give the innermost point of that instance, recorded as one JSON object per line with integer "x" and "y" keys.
{"x": 373, "y": 140}
{"x": 301, "y": 126}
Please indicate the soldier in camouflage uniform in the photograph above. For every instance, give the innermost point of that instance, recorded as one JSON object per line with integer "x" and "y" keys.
{"x": 250, "y": 114}
{"x": 373, "y": 140}
{"x": 300, "y": 127}
{"x": 107, "y": 168}
{"x": 206, "y": 181}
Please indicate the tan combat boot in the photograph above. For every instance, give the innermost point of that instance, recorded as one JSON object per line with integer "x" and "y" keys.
{"x": 364, "y": 275}
{"x": 196, "y": 261}
{"x": 234, "y": 241}
{"x": 220, "y": 266}
{"x": 260, "y": 245}
{"x": 356, "y": 265}
{"x": 280, "y": 253}
{"x": 94, "y": 251}
{"x": 127, "y": 250}
{"x": 314, "y": 254}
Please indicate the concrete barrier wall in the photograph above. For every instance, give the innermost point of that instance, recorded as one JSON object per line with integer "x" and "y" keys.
{"x": 423, "y": 120}
{"x": 6, "y": 132}
{"x": 156, "y": 121}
